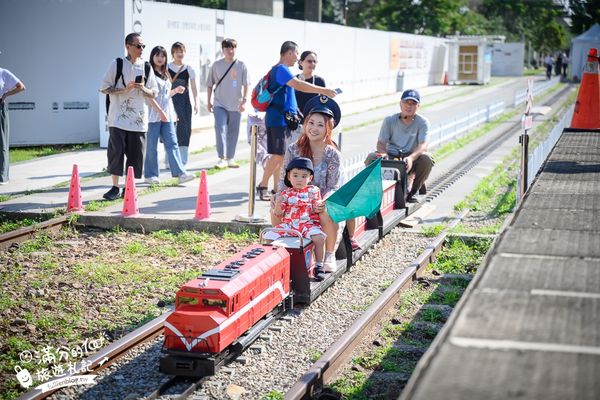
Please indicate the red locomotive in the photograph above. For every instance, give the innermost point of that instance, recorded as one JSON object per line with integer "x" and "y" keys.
{"x": 219, "y": 314}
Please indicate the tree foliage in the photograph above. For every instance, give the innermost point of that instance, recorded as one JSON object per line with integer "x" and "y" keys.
{"x": 584, "y": 14}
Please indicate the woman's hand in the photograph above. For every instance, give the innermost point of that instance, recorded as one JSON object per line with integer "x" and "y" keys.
{"x": 163, "y": 117}
{"x": 276, "y": 205}
{"x": 319, "y": 206}
{"x": 177, "y": 90}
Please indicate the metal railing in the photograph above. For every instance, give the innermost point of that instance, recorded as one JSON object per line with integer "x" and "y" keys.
{"x": 541, "y": 152}
{"x": 538, "y": 88}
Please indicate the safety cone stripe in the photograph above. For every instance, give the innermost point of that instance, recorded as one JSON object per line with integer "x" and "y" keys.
{"x": 586, "y": 115}
{"x": 130, "y": 207}
{"x": 203, "y": 201}
{"x": 75, "y": 202}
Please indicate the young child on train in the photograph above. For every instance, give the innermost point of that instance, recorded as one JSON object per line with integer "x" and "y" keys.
{"x": 295, "y": 206}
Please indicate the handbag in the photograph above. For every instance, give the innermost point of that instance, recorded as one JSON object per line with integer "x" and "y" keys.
{"x": 292, "y": 120}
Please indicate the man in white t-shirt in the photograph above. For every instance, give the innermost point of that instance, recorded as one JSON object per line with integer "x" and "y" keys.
{"x": 229, "y": 77}
{"x": 9, "y": 85}
{"x": 128, "y": 111}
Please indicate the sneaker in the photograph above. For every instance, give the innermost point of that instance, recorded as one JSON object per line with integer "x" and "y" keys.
{"x": 186, "y": 177}
{"x": 330, "y": 265}
{"x": 232, "y": 164}
{"x": 319, "y": 273}
{"x": 112, "y": 194}
{"x": 221, "y": 164}
{"x": 355, "y": 245}
{"x": 152, "y": 180}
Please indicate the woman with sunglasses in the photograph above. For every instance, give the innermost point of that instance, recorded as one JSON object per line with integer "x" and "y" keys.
{"x": 307, "y": 64}
{"x": 184, "y": 76}
{"x": 161, "y": 124}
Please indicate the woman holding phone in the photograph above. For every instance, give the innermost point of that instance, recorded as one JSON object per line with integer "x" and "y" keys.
{"x": 161, "y": 124}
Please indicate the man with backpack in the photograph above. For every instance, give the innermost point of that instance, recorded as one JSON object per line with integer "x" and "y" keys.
{"x": 229, "y": 77}
{"x": 128, "y": 82}
{"x": 282, "y": 111}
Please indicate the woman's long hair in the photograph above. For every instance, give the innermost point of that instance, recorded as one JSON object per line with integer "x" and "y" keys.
{"x": 161, "y": 72}
{"x": 303, "y": 141}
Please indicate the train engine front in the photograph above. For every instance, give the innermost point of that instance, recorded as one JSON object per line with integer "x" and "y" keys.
{"x": 217, "y": 313}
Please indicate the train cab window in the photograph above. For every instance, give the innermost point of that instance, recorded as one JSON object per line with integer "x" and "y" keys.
{"x": 222, "y": 304}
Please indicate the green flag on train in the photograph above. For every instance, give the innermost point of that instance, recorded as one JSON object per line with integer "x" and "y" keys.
{"x": 359, "y": 197}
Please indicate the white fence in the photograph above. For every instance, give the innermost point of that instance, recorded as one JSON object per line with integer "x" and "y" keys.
{"x": 538, "y": 88}
{"x": 539, "y": 155}
{"x": 442, "y": 133}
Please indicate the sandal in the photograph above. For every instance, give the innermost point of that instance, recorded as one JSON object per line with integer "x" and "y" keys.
{"x": 263, "y": 193}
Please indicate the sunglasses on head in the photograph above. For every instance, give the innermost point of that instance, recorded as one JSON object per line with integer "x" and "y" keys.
{"x": 139, "y": 46}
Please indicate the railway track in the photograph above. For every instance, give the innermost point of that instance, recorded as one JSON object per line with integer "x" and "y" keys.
{"x": 334, "y": 357}
{"x": 20, "y": 235}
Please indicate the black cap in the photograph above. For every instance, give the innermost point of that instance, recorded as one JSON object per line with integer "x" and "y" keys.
{"x": 300, "y": 163}
{"x": 323, "y": 105}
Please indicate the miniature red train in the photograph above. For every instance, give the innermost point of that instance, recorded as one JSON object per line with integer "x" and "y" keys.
{"x": 223, "y": 311}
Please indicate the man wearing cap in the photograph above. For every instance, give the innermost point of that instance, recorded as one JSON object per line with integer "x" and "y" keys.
{"x": 404, "y": 135}
{"x": 9, "y": 85}
{"x": 284, "y": 102}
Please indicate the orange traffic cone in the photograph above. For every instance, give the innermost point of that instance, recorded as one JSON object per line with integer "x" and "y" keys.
{"x": 75, "y": 204}
{"x": 203, "y": 202}
{"x": 587, "y": 106}
{"x": 130, "y": 207}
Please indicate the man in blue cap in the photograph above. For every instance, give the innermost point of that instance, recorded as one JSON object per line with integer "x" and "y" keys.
{"x": 404, "y": 135}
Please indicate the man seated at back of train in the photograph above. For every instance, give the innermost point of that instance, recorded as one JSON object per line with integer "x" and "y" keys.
{"x": 404, "y": 135}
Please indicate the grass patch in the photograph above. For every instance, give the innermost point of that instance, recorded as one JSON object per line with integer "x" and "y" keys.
{"x": 17, "y": 154}
{"x": 459, "y": 143}
{"x": 495, "y": 194}
{"x": 273, "y": 395}
{"x": 314, "y": 355}
{"x": 8, "y": 226}
{"x": 458, "y": 257}
{"x": 432, "y": 231}
{"x": 353, "y": 386}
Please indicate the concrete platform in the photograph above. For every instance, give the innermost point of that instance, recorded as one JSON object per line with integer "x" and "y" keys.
{"x": 528, "y": 326}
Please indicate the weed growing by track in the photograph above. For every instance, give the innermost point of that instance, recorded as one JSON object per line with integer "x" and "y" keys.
{"x": 382, "y": 369}
{"x": 58, "y": 290}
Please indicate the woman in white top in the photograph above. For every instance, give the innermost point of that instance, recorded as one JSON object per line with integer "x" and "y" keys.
{"x": 161, "y": 120}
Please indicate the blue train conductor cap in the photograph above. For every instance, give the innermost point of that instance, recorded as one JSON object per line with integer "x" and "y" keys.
{"x": 323, "y": 105}
{"x": 411, "y": 94}
{"x": 300, "y": 163}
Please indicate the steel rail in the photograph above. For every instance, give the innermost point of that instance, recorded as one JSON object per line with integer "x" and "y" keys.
{"x": 325, "y": 367}
{"x": 110, "y": 353}
{"x": 19, "y": 235}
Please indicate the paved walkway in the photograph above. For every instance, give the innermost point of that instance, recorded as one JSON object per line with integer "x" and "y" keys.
{"x": 229, "y": 188}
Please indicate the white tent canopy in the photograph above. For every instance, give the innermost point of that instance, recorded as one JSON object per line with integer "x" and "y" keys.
{"x": 580, "y": 47}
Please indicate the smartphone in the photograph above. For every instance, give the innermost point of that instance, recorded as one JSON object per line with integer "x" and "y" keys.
{"x": 138, "y": 79}
{"x": 338, "y": 90}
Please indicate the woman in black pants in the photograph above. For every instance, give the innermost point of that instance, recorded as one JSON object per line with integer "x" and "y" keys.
{"x": 183, "y": 75}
